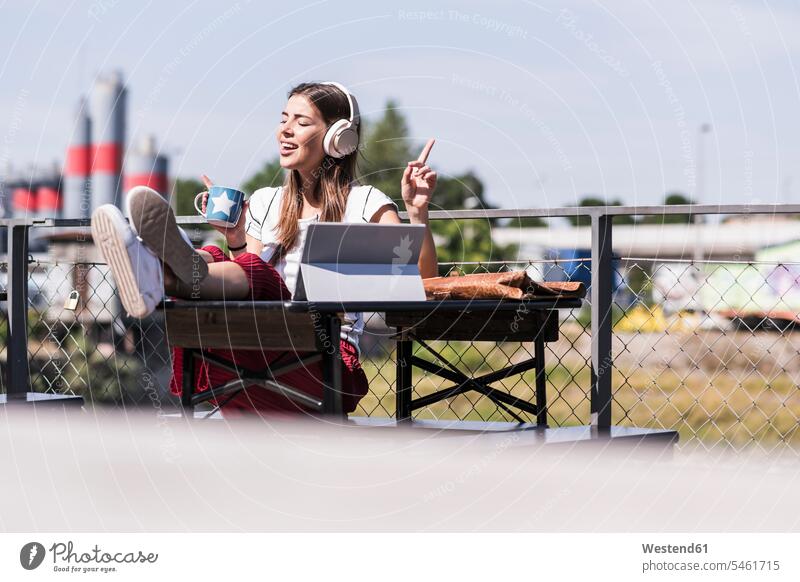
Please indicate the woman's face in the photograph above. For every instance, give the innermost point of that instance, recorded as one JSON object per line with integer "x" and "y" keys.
{"x": 300, "y": 134}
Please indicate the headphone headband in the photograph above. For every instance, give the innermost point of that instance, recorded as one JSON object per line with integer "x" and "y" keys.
{"x": 351, "y": 102}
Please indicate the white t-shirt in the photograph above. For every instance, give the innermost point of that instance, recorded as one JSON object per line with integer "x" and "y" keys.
{"x": 262, "y": 221}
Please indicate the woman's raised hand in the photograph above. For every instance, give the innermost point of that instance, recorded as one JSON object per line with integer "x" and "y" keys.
{"x": 418, "y": 181}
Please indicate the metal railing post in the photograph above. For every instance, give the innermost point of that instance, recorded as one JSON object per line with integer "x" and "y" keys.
{"x": 602, "y": 283}
{"x": 18, "y": 379}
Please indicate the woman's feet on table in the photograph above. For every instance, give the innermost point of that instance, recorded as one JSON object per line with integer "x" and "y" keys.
{"x": 136, "y": 269}
{"x": 154, "y": 222}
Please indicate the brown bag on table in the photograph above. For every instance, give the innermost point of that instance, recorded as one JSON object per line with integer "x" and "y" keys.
{"x": 507, "y": 285}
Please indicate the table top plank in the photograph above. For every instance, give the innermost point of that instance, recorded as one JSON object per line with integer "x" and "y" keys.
{"x": 239, "y": 329}
{"x": 449, "y": 305}
{"x": 498, "y": 326}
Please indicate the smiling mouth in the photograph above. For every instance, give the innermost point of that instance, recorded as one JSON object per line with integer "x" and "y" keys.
{"x": 288, "y": 148}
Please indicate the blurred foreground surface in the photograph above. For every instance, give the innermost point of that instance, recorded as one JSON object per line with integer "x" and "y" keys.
{"x": 77, "y": 471}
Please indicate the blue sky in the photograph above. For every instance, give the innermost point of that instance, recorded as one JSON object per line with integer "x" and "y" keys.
{"x": 546, "y": 101}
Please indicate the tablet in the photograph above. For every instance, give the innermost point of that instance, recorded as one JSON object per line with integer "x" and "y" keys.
{"x": 344, "y": 261}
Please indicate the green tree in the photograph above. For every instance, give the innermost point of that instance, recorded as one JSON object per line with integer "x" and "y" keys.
{"x": 669, "y": 200}
{"x": 587, "y": 201}
{"x": 527, "y": 222}
{"x": 185, "y": 191}
{"x": 270, "y": 175}
{"x": 386, "y": 149}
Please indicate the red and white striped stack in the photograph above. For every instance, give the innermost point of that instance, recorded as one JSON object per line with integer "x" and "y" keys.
{"x": 76, "y": 183}
{"x": 146, "y": 166}
{"x": 108, "y": 139}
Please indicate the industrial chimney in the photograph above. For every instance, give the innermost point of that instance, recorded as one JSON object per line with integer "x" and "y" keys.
{"x": 145, "y": 166}
{"x": 77, "y": 183}
{"x": 108, "y": 139}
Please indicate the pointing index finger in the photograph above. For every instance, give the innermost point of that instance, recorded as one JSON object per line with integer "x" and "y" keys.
{"x": 423, "y": 157}
{"x": 207, "y": 181}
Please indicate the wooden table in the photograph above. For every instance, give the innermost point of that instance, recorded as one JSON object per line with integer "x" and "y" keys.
{"x": 308, "y": 327}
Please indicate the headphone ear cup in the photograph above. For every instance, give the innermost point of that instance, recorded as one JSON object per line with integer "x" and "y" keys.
{"x": 331, "y": 139}
{"x": 347, "y": 140}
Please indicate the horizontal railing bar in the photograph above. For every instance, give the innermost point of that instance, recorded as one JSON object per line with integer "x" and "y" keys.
{"x": 533, "y": 262}
{"x": 704, "y": 261}
{"x": 567, "y": 211}
{"x": 563, "y": 211}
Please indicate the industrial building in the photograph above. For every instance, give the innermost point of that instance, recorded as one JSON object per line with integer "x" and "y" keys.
{"x": 98, "y": 165}
{"x": 98, "y": 168}
{"x": 739, "y": 269}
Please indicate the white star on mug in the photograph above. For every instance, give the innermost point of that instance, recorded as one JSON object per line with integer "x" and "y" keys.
{"x": 223, "y": 204}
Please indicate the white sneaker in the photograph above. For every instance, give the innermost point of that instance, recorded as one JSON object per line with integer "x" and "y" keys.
{"x": 137, "y": 271}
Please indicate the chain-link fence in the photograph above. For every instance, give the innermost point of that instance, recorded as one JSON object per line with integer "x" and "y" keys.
{"x": 710, "y": 348}
{"x": 93, "y": 350}
{"x": 707, "y": 348}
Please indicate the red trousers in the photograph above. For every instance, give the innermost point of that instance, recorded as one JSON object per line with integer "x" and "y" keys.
{"x": 266, "y": 284}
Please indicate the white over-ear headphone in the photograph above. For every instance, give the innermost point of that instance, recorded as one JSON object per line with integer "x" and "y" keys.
{"x": 341, "y": 138}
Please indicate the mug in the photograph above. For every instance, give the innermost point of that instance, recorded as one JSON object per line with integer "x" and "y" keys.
{"x": 223, "y": 207}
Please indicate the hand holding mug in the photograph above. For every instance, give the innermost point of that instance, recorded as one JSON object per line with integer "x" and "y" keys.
{"x": 224, "y": 209}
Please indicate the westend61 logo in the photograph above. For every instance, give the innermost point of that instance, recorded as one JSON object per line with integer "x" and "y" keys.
{"x": 66, "y": 559}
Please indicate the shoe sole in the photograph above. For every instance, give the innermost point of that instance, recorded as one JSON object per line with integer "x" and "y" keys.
{"x": 115, "y": 252}
{"x": 154, "y": 222}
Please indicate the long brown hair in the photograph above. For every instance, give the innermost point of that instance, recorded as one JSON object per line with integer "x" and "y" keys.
{"x": 336, "y": 175}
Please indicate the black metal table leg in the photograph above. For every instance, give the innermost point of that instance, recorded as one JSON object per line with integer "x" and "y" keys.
{"x": 331, "y": 366}
{"x": 187, "y": 384}
{"x": 18, "y": 372}
{"x": 602, "y": 331}
{"x": 541, "y": 381}
{"x": 404, "y": 381}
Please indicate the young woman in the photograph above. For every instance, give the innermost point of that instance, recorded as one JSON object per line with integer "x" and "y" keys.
{"x": 318, "y": 144}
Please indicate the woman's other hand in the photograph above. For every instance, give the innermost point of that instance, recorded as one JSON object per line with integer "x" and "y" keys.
{"x": 418, "y": 182}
